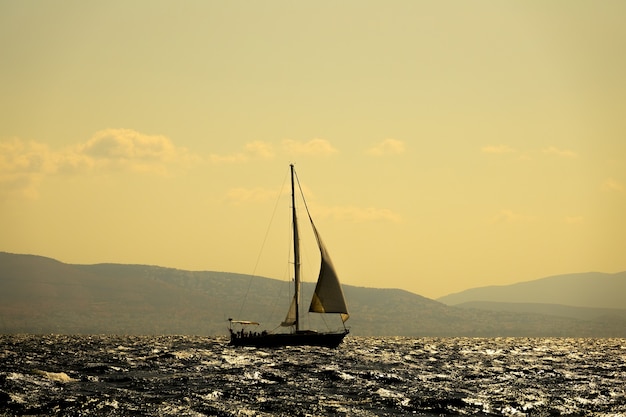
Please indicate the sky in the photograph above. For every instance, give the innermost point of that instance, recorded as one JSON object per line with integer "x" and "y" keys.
{"x": 441, "y": 145}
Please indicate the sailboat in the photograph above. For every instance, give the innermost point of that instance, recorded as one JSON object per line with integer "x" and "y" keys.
{"x": 327, "y": 298}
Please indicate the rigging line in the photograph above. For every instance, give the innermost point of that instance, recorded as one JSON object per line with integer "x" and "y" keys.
{"x": 282, "y": 287}
{"x": 325, "y": 322}
{"x": 258, "y": 259}
{"x": 306, "y": 206}
{"x": 305, "y": 252}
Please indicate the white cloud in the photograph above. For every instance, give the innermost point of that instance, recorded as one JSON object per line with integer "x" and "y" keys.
{"x": 20, "y": 156}
{"x": 260, "y": 149}
{"x": 562, "y": 153}
{"x": 611, "y": 184}
{"x": 313, "y": 147}
{"x": 24, "y": 164}
{"x": 387, "y": 147}
{"x": 263, "y": 150}
{"x": 126, "y": 144}
{"x": 497, "y": 149}
{"x": 242, "y": 195}
{"x": 130, "y": 149}
{"x": 509, "y": 216}
{"x": 573, "y": 219}
{"x": 357, "y": 214}
{"x": 251, "y": 150}
{"x": 229, "y": 159}
{"x": 529, "y": 154}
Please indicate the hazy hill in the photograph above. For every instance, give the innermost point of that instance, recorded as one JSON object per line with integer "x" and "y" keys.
{"x": 592, "y": 289}
{"x": 581, "y": 313}
{"x": 42, "y": 295}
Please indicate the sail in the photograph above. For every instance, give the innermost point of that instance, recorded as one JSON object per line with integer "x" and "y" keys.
{"x": 328, "y": 296}
{"x": 290, "y": 320}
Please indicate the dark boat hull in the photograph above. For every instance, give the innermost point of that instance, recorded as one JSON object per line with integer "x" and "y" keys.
{"x": 330, "y": 340}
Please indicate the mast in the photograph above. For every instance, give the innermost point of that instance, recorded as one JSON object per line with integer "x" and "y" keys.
{"x": 296, "y": 250}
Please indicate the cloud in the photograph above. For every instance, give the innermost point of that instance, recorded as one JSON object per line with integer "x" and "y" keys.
{"x": 357, "y": 214}
{"x": 242, "y": 195}
{"x": 387, "y": 147}
{"x": 562, "y": 153}
{"x": 251, "y": 150}
{"x": 573, "y": 219}
{"x": 263, "y": 150}
{"x": 228, "y": 159}
{"x": 20, "y": 156}
{"x": 314, "y": 147}
{"x": 529, "y": 154}
{"x": 24, "y": 164}
{"x": 131, "y": 150}
{"x": 126, "y": 144}
{"x": 260, "y": 149}
{"x": 509, "y": 216}
{"x": 497, "y": 149}
{"x": 611, "y": 184}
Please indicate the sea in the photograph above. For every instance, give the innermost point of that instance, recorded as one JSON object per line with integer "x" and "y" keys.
{"x": 60, "y": 375}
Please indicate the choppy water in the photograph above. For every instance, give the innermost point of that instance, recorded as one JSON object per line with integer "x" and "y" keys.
{"x": 197, "y": 376}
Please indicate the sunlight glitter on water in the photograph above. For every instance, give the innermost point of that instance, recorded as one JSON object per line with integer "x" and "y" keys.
{"x": 196, "y": 376}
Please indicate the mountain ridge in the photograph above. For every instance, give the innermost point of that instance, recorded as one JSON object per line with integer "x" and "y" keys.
{"x": 559, "y": 310}
{"x": 43, "y": 295}
{"x": 587, "y": 289}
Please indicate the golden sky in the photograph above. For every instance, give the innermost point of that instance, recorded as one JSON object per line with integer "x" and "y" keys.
{"x": 442, "y": 145}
